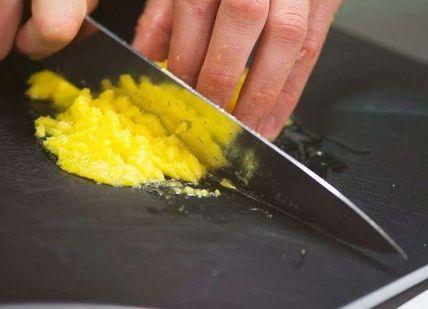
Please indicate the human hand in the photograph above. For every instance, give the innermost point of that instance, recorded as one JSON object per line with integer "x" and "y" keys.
{"x": 53, "y": 24}
{"x": 208, "y": 43}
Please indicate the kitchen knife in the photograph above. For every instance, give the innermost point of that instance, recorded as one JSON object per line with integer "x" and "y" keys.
{"x": 255, "y": 166}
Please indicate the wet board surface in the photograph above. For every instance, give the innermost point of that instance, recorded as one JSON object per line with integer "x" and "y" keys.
{"x": 63, "y": 238}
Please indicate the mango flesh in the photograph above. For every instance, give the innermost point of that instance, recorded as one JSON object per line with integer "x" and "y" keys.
{"x": 131, "y": 133}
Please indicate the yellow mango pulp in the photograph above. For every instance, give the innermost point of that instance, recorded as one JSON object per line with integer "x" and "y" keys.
{"x": 131, "y": 133}
{"x": 46, "y": 85}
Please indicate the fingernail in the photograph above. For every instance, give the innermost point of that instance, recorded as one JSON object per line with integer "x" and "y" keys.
{"x": 268, "y": 126}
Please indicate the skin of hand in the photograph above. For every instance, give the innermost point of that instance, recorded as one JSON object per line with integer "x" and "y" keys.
{"x": 208, "y": 43}
{"x": 52, "y": 25}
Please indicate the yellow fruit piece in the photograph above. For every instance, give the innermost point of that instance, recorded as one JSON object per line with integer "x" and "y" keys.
{"x": 109, "y": 138}
{"x": 131, "y": 133}
{"x": 232, "y": 102}
{"x": 46, "y": 85}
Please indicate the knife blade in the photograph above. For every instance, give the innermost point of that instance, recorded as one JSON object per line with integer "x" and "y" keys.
{"x": 254, "y": 165}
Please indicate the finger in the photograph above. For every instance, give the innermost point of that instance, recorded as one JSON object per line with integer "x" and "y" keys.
{"x": 53, "y": 24}
{"x": 191, "y": 31}
{"x": 91, "y": 5}
{"x": 320, "y": 18}
{"x": 153, "y": 31}
{"x": 279, "y": 47}
{"x": 10, "y": 16}
{"x": 236, "y": 30}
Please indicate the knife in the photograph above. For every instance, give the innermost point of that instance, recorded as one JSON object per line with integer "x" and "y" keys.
{"x": 254, "y": 165}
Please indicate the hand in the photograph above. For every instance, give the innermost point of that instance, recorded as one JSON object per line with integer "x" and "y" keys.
{"x": 208, "y": 43}
{"x": 53, "y": 24}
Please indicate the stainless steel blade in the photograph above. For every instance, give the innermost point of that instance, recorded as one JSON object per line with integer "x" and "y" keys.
{"x": 253, "y": 164}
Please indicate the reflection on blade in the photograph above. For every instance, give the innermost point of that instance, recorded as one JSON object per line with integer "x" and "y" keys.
{"x": 229, "y": 150}
{"x": 207, "y": 134}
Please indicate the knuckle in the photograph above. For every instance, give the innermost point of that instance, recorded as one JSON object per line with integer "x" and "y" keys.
{"x": 198, "y": 8}
{"x": 290, "y": 27}
{"x": 250, "y": 10}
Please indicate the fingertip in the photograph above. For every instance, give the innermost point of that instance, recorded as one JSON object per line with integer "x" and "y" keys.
{"x": 249, "y": 120}
{"x": 272, "y": 131}
{"x": 272, "y": 125}
{"x": 268, "y": 127}
{"x": 91, "y": 5}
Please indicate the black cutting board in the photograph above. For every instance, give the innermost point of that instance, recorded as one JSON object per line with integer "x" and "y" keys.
{"x": 63, "y": 238}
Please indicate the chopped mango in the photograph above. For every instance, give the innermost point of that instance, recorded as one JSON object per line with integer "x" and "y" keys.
{"x": 47, "y": 85}
{"x": 133, "y": 133}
